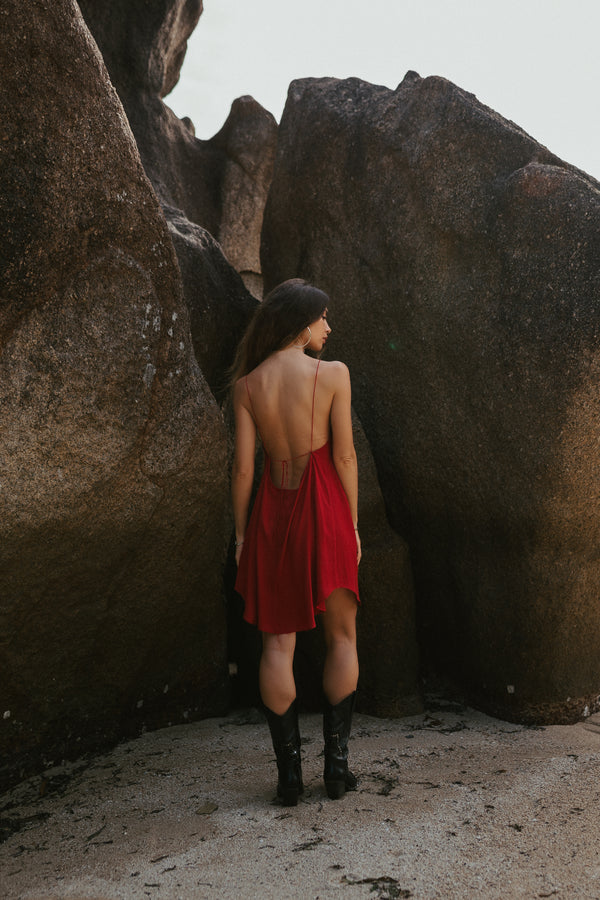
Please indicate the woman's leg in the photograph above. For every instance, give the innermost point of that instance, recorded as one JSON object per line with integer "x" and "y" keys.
{"x": 278, "y": 692}
{"x": 340, "y": 674}
{"x": 276, "y": 672}
{"x": 340, "y": 677}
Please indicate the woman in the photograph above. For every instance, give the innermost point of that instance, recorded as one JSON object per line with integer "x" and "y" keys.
{"x": 298, "y": 553}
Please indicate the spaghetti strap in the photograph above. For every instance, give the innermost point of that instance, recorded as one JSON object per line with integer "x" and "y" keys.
{"x": 312, "y": 418}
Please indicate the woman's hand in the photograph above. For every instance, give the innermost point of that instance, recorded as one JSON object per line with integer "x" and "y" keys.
{"x": 358, "y": 547}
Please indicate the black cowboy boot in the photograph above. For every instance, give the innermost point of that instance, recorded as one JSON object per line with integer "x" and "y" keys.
{"x": 336, "y": 731}
{"x": 286, "y": 743}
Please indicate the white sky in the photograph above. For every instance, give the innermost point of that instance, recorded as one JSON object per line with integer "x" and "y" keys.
{"x": 536, "y": 62}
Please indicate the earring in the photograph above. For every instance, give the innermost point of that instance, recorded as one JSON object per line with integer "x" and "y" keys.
{"x": 307, "y": 342}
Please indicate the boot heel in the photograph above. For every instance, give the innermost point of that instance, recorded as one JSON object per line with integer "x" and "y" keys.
{"x": 335, "y": 789}
{"x": 289, "y": 796}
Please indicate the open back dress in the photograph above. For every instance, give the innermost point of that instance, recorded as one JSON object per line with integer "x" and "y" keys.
{"x": 299, "y": 544}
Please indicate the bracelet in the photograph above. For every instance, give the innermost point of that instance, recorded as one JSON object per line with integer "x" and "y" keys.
{"x": 356, "y": 527}
{"x": 238, "y": 543}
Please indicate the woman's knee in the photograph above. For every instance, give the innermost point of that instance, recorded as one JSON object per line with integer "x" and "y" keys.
{"x": 278, "y": 646}
{"x": 340, "y": 616}
{"x": 342, "y": 640}
{"x": 341, "y": 632}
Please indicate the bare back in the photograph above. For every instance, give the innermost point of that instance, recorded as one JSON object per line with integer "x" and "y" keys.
{"x": 287, "y": 394}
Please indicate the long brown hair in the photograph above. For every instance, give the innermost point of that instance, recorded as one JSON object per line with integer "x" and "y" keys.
{"x": 277, "y": 321}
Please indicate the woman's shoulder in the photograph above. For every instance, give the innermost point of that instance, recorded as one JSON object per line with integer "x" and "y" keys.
{"x": 241, "y": 390}
{"x": 334, "y": 371}
{"x": 240, "y": 384}
{"x": 254, "y": 375}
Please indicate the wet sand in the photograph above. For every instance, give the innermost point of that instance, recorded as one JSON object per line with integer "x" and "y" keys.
{"x": 451, "y": 804}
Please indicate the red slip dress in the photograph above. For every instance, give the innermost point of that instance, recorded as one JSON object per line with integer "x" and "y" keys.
{"x": 299, "y": 545}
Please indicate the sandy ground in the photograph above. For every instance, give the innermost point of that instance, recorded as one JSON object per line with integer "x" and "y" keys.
{"x": 451, "y": 804}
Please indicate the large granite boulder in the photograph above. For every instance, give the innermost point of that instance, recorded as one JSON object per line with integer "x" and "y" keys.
{"x": 462, "y": 262}
{"x": 113, "y": 479}
{"x": 220, "y": 184}
{"x": 248, "y": 141}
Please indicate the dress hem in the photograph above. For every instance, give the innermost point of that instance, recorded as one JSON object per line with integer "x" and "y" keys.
{"x": 318, "y": 611}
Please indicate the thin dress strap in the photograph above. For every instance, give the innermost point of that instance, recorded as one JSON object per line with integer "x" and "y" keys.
{"x": 312, "y": 418}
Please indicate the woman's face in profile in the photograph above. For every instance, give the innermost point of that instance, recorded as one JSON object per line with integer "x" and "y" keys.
{"x": 320, "y": 331}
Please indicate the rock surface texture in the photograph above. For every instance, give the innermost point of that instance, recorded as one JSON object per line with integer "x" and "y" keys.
{"x": 248, "y": 141}
{"x": 112, "y": 449}
{"x": 219, "y": 306}
{"x": 462, "y": 262}
{"x": 219, "y": 184}
{"x": 387, "y": 644}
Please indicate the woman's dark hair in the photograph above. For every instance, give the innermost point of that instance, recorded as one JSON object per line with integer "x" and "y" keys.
{"x": 277, "y": 321}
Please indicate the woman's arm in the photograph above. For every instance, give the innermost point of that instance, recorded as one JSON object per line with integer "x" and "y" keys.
{"x": 242, "y": 474}
{"x": 344, "y": 454}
